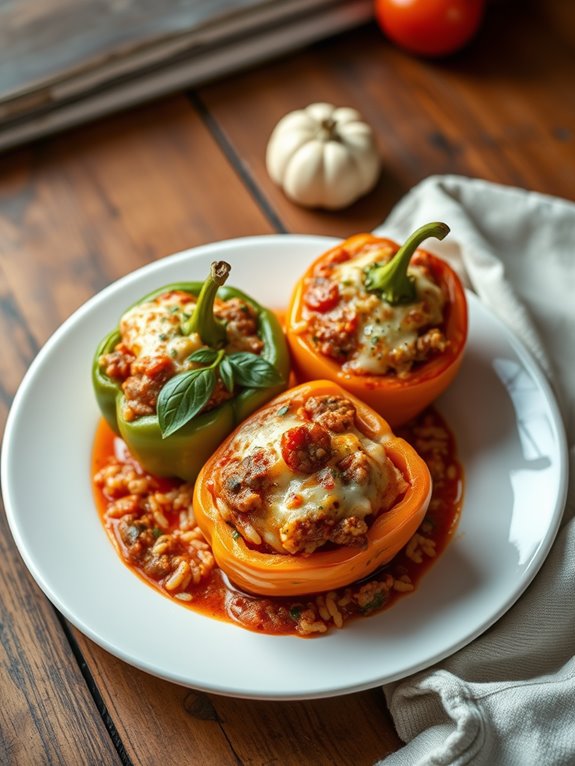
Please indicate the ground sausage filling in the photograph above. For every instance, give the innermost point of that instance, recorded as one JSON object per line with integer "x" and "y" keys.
{"x": 304, "y": 477}
{"x": 360, "y": 330}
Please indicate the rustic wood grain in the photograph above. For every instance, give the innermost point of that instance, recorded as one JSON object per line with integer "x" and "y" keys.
{"x": 158, "y": 722}
{"x": 503, "y": 109}
{"x": 45, "y": 42}
{"x": 218, "y": 730}
{"x": 355, "y": 729}
{"x": 48, "y": 713}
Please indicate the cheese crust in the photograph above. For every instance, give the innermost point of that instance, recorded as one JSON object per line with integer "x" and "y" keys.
{"x": 305, "y": 476}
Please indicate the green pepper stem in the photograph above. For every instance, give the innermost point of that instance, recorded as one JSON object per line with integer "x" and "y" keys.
{"x": 203, "y": 322}
{"x": 391, "y": 279}
{"x": 216, "y": 363}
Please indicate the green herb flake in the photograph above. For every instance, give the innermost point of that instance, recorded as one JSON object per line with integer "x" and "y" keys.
{"x": 295, "y": 613}
{"x": 156, "y": 532}
{"x": 235, "y": 534}
{"x": 283, "y": 410}
{"x": 377, "y": 601}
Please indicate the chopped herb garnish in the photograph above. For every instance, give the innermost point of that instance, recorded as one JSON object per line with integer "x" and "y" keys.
{"x": 377, "y": 601}
{"x": 295, "y": 613}
{"x": 235, "y": 534}
{"x": 283, "y": 410}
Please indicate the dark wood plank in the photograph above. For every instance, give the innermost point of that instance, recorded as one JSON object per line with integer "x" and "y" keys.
{"x": 48, "y": 714}
{"x": 219, "y": 730}
{"x": 355, "y": 729}
{"x": 44, "y": 42}
{"x": 503, "y": 109}
{"x": 158, "y": 722}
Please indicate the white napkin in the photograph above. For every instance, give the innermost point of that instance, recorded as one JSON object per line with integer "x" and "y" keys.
{"x": 509, "y": 697}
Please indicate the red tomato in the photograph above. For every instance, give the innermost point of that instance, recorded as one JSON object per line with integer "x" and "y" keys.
{"x": 430, "y": 27}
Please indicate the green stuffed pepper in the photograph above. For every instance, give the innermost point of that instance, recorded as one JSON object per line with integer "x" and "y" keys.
{"x": 185, "y": 365}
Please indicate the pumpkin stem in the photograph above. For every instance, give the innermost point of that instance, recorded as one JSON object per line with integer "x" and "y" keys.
{"x": 328, "y": 129}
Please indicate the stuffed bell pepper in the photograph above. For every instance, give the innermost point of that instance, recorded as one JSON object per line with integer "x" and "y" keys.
{"x": 387, "y": 323}
{"x": 186, "y": 364}
{"x": 310, "y": 493}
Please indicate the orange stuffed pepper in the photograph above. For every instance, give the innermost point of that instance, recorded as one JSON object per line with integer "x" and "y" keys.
{"x": 310, "y": 493}
{"x": 387, "y": 323}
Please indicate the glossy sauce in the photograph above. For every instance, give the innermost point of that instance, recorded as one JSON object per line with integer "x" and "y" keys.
{"x": 216, "y": 597}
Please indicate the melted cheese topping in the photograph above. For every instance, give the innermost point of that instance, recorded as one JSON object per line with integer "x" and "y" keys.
{"x": 296, "y": 505}
{"x": 386, "y": 335}
{"x": 153, "y": 328}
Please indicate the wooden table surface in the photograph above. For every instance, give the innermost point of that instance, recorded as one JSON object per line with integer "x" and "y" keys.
{"x": 80, "y": 209}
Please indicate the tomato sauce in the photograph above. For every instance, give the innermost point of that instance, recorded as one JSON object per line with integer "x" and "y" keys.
{"x": 216, "y": 597}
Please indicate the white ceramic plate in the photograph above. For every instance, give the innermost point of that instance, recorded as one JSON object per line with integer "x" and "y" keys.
{"x": 510, "y": 440}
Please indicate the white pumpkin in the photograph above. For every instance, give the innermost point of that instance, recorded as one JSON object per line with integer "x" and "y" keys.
{"x": 323, "y": 156}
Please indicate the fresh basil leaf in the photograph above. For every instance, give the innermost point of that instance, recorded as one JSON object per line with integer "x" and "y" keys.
{"x": 183, "y": 397}
{"x": 253, "y": 371}
{"x": 204, "y": 356}
{"x": 227, "y": 374}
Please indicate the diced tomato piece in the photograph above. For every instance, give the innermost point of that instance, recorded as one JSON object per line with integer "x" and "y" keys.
{"x": 322, "y": 295}
{"x": 154, "y": 366}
